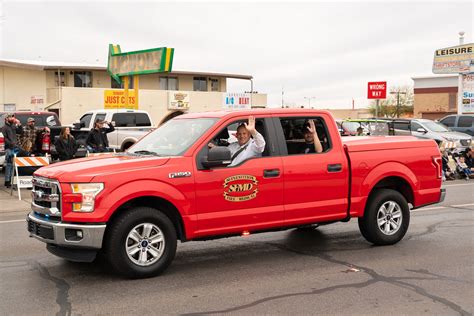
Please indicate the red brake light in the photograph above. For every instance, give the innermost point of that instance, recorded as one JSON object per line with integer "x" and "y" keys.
{"x": 2, "y": 143}
{"x": 438, "y": 162}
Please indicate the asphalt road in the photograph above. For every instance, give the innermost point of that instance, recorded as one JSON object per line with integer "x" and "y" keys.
{"x": 331, "y": 270}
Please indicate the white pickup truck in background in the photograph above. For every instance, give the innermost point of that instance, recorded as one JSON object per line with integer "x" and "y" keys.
{"x": 130, "y": 126}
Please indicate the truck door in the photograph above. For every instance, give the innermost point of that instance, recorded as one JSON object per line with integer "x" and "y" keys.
{"x": 315, "y": 184}
{"x": 245, "y": 197}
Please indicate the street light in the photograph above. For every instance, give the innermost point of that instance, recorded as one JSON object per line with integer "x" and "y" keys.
{"x": 398, "y": 100}
{"x": 309, "y": 100}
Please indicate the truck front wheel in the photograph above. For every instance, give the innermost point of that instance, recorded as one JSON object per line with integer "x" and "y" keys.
{"x": 141, "y": 243}
{"x": 386, "y": 218}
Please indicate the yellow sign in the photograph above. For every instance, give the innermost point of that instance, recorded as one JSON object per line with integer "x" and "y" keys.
{"x": 240, "y": 188}
{"x": 115, "y": 99}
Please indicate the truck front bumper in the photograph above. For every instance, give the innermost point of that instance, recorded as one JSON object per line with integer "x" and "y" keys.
{"x": 65, "y": 235}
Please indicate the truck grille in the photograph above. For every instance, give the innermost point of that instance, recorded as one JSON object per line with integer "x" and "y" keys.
{"x": 42, "y": 231}
{"x": 46, "y": 197}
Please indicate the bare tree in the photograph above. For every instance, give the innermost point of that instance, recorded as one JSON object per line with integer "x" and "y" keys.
{"x": 399, "y": 102}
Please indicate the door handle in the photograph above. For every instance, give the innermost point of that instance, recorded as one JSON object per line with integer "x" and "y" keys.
{"x": 271, "y": 173}
{"x": 335, "y": 167}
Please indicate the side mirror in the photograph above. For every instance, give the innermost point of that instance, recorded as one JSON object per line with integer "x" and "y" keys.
{"x": 421, "y": 130}
{"x": 78, "y": 125}
{"x": 217, "y": 157}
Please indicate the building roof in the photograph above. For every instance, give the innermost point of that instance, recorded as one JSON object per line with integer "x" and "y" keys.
{"x": 49, "y": 65}
{"x": 434, "y": 76}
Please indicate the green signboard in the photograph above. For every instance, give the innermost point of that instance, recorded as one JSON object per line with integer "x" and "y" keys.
{"x": 138, "y": 62}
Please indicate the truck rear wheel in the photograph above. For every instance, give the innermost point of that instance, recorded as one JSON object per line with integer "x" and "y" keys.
{"x": 141, "y": 243}
{"x": 386, "y": 218}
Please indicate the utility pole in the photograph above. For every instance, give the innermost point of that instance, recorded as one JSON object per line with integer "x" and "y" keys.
{"x": 398, "y": 100}
{"x": 309, "y": 100}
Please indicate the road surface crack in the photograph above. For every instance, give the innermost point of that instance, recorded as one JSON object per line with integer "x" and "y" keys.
{"x": 62, "y": 298}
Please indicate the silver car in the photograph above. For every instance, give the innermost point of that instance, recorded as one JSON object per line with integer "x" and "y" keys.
{"x": 424, "y": 128}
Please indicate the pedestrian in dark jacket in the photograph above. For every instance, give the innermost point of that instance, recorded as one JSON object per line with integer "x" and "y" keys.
{"x": 66, "y": 145}
{"x": 97, "y": 139}
{"x": 10, "y": 130}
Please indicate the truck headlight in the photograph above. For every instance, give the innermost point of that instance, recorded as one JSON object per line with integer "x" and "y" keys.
{"x": 88, "y": 191}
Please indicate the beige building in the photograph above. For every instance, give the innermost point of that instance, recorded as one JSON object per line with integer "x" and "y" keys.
{"x": 435, "y": 96}
{"x": 72, "y": 89}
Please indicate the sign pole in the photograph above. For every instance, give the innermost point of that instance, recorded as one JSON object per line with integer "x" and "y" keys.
{"x": 377, "y": 108}
{"x": 125, "y": 86}
{"x": 460, "y": 92}
{"x": 135, "y": 87}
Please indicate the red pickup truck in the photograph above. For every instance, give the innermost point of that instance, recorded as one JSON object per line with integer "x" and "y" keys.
{"x": 132, "y": 207}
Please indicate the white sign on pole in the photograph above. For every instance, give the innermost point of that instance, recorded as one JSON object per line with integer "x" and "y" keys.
{"x": 467, "y": 93}
{"x": 236, "y": 101}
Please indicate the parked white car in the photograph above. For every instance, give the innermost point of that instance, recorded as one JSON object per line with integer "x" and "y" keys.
{"x": 130, "y": 126}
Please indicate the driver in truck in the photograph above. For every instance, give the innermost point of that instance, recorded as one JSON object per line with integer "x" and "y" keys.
{"x": 250, "y": 143}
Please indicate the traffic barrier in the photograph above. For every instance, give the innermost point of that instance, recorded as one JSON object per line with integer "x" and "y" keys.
{"x": 20, "y": 181}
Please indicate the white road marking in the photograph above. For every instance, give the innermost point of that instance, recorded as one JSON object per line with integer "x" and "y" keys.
{"x": 429, "y": 208}
{"x": 13, "y": 221}
{"x": 463, "y": 205}
{"x": 456, "y": 185}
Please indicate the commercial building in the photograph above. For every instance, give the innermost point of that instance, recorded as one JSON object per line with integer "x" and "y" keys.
{"x": 435, "y": 96}
{"x": 72, "y": 89}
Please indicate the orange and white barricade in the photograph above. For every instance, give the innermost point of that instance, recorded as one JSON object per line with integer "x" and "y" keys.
{"x": 18, "y": 181}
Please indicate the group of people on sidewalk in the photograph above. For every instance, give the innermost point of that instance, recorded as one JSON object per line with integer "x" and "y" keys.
{"x": 457, "y": 165}
{"x": 22, "y": 141}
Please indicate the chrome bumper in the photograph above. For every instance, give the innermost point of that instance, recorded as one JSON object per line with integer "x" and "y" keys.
{"x": 442, "y": 195}
{"x": 66, "y": 235}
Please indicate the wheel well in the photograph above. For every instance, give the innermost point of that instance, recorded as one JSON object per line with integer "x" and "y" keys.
{"x": 397, "y": 184}
{"x": 127, "y": 145}
{"x": 157, "y": 203}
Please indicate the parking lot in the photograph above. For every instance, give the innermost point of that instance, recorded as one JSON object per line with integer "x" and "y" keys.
{"x": 326, "y": 271}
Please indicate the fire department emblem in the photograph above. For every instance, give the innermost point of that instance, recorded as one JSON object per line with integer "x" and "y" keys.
{"x": 240, "y": 188}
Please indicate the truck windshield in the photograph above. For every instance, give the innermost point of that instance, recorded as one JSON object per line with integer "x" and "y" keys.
{"x": 173, "y": 138}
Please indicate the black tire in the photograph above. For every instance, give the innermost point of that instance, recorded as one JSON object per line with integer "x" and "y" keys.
{"x": 369, "y": 223}
{"x": 118, "y": 237}
{"x": 127, "y": 146}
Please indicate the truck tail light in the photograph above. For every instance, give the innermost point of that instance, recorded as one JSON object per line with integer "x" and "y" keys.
{"x": 2, "y": 143}
{"x": 438, "y": 162}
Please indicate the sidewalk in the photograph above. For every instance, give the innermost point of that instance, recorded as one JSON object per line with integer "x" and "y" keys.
{"x": 10, "y": 207}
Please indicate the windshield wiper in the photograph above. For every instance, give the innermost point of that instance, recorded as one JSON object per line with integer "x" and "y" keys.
{"x": 145, "y": 152}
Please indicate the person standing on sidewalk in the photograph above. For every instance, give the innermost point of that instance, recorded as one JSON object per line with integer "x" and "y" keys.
{"x": 32, "y": 133}
{"x": 10, "y": 130}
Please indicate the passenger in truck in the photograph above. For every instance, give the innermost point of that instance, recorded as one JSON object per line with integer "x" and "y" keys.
{"x": 312, "y": 144}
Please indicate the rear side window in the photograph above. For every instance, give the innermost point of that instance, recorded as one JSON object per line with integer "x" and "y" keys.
{"x": 294, "y": 131}
{"x": 466, "y": 121}
{"x": 124, "y": 119}
{"x": 131, "y": 119}
{"x": 449, "y": 121}
{"x": 142, "y": 119}
{"x": 404, "y": 126}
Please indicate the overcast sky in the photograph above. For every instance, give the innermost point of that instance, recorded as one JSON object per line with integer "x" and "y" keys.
{"x": 326, "y": 50}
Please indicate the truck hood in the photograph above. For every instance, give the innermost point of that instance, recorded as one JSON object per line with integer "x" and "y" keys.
{"x": 455, "y": 135}
{"x": 85, "y": 169}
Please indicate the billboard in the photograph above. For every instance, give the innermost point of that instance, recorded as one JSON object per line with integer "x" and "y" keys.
{"x": 236, "y": 101}
{"x": 467, "y": 94}
{"x": 454, "y": 60}
{"x": 115, "y": 99}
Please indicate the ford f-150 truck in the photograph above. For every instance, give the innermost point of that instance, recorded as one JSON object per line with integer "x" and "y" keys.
{"x": 132, "y": 207}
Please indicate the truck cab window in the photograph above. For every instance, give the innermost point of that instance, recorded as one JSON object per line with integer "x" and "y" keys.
{"x": 298, "y": 138}
{"x": 86, "y": 119}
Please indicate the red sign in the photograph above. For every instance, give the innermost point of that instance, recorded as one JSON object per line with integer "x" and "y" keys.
{"x": 377, "y": 90}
